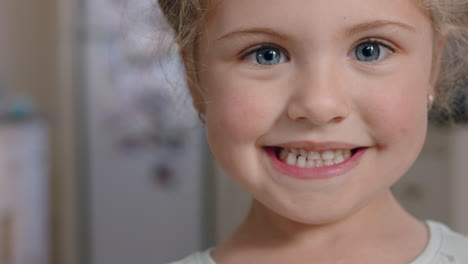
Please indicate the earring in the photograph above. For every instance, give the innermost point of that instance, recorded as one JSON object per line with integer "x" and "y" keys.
{"x": 430, "y": 101}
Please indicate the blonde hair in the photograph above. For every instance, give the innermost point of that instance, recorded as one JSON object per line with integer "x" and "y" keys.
{"x": 186, "y": 18}
{"x": 449, "y": 19}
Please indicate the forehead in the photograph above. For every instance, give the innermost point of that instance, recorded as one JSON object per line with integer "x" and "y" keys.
{"x": 295, "y": 16}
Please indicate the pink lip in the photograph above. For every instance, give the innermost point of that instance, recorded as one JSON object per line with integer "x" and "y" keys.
{"x": 314, "y": 146}
{"x": 324, "y": 172}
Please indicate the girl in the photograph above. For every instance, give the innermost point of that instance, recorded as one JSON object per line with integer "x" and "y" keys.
{"x": 316, "y": 108}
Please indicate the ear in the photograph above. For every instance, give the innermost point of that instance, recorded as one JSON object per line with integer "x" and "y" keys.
{"x": 197, "y": 97}
{"x": 438, "y": 52}
{"x": 192, "y": 81}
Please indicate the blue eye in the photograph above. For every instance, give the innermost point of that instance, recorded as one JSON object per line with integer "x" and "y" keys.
{"x": 371, "y": 51}
{"x": 267, "y": 56}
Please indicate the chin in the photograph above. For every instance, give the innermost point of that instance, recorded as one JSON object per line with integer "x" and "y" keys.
{"x": 312, "y": 213}
{"x": 320, "y": 218}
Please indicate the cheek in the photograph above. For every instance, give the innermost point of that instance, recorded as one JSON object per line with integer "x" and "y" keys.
{"x": 404, "y": 120}
{"x": 401, "y": 102}
{"x": 399, "y": 115}
{"x": 230, "y": 123}
{"x": 237, "y": 108}
{"x": 237, "y": 113}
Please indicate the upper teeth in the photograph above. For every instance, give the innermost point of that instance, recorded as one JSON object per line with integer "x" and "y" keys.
{"x": 310, "y": 159}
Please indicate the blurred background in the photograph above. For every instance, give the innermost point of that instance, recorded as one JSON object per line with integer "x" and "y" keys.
{"x": 103, "y": 159}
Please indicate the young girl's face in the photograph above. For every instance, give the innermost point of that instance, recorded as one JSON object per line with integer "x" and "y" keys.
{"x": 301, "y": 83}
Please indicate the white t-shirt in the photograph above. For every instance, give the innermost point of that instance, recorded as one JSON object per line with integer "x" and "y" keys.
{"x": 444, "y": 247}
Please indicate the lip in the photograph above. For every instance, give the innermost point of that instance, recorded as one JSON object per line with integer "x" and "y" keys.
{"x": 320, "y": 173}
{"x": 317, "y": 146}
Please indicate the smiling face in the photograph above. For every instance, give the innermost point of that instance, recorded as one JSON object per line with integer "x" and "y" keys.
{"x": 316, "y": 107}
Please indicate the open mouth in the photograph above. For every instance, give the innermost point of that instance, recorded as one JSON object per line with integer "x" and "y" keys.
{"x": 302, "y": 158}
{"x": 311, "y": 164}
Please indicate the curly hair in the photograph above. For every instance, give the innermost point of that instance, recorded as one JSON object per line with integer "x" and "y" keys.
{"x": 186, "y": 18}
{"x": 449, "y": 19}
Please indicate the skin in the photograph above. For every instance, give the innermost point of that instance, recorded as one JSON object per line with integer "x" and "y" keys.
{"x": 318, "y": 93}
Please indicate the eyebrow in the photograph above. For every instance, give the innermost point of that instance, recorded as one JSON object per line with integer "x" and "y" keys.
{"x": 253, "y": 31}
{"x": 377, "y": 24}
{"x": 366, "y": 26}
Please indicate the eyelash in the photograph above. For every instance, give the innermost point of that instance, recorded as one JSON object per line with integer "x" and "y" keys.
{"x": 377, "y": 41}
{"x": 256, "y": 48}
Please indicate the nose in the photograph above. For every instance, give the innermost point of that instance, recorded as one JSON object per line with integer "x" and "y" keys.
{"x": 319, "y": 98}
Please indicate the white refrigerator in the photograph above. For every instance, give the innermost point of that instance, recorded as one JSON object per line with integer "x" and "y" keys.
{"x": 145, "y": 152}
